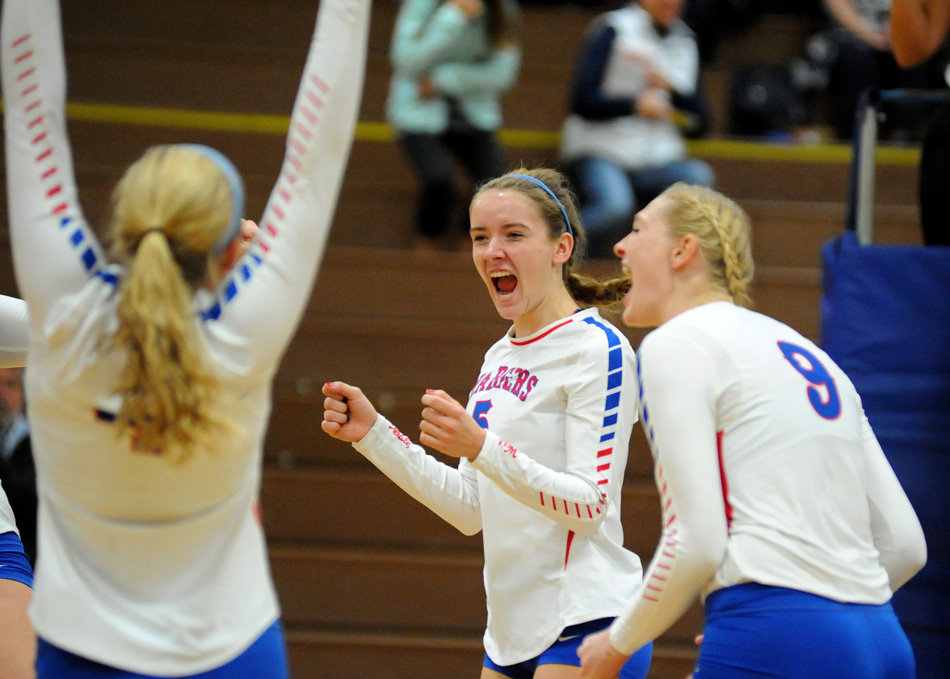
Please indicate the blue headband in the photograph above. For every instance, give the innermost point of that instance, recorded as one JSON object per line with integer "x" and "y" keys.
{"x": 237, "y": 193}
{"x": 550, "y": 193}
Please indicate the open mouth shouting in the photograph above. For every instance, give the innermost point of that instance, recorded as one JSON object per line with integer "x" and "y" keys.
{"x": 504, "y": 282}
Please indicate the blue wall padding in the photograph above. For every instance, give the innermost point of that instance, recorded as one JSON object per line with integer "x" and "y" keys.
{"x": 886, "y": 322}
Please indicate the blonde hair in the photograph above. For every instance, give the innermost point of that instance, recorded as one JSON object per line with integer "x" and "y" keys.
{"x": 585, "y": 290}
{"x": 723, "y": 231}
{"x": 169, "y": 209}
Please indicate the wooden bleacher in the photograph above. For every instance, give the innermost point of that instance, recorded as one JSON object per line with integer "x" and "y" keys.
{"x": 371, "y": 583}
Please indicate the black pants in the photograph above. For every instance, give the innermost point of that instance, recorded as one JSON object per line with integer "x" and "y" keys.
{"x": 935, "y": 180}
{"x": 431, "y": 157}
{"x": 859, "y": 67}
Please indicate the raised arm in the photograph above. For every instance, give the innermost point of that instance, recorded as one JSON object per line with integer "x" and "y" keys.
{"x": 54, "y": 251}
{"x": 262, "y": 300}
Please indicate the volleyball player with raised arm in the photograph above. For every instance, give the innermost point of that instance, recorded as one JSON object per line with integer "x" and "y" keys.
{"x": 150, "y": 371}
{"x": 543, "y": 441}
{"x": 778, "y": 502}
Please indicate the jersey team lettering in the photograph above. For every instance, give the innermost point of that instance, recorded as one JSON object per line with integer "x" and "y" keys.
{"x": 517, "y": 381}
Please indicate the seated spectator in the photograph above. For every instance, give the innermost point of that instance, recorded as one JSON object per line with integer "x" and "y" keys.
{"x": 452, "y": 61}
{"x": 16, "y": 458}
{"x": 636, "y": 90}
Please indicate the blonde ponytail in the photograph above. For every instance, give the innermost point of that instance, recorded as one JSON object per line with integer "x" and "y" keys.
{"x": 169, "y": 209}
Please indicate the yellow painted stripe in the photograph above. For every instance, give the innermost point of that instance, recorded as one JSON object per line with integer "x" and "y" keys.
{"x": 526, "y": 139}
{"x": 183, "y": 119}
{"x": 818, "y": 153}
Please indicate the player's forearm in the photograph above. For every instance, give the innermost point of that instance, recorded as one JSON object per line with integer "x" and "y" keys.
{"x": 677, "y": 574}
{"x": 443, "y": 489}
{"x": 574, "y": 502}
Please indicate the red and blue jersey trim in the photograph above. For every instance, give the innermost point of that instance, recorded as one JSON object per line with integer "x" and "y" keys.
{"x": 47, "y": 164}
{"x": 301, "y": 131}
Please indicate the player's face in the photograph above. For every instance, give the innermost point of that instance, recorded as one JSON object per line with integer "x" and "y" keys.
{"x": 514, "y": 254}
{"x": 646, "y": 255}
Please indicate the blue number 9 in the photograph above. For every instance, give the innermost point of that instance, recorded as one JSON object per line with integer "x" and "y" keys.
{"x": 480, "y": 411}
{"x": 818, "y": 376}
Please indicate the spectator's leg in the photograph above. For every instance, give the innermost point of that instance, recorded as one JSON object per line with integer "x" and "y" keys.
{"x": 480, "y": 154}
{"x": 906, "y": 122}
{"x": 608, "y": 203}
{"x": 432, "y": 163}
{"x": 934, "y": 171}
{"x": 482, "y": 157}
{"x": 855, "y": 70}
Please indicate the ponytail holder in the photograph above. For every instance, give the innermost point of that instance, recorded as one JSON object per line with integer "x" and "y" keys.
{"x": 237, "y": 193}
{"x": 550, "y": 193}
{"x": 151, "y": 229}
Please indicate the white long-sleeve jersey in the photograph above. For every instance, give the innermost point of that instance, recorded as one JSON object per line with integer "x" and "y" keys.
{"x": 7, "y": 520}
{"x": 14, "y": 332}
{"x": 545, "y": 488}
{"x": 768, "y": 472}
{"x": 145, "y": 566}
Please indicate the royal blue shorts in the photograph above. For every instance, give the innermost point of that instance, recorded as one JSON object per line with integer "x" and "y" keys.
{"x": 13, "y": 562}
{"x": 565, "y": 653}
{"x": 758, "y": 632}
{"x": 265, "y": 659}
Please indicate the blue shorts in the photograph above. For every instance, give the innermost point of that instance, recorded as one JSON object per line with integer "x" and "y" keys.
{"x": 758, "y": 632}
{"x": 565, "y": 653}
{"x": 266, "y": 658}
{"x": 13, "y": 562}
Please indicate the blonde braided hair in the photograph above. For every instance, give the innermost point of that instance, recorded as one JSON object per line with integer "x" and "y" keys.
{"x": 723, "y": 231}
